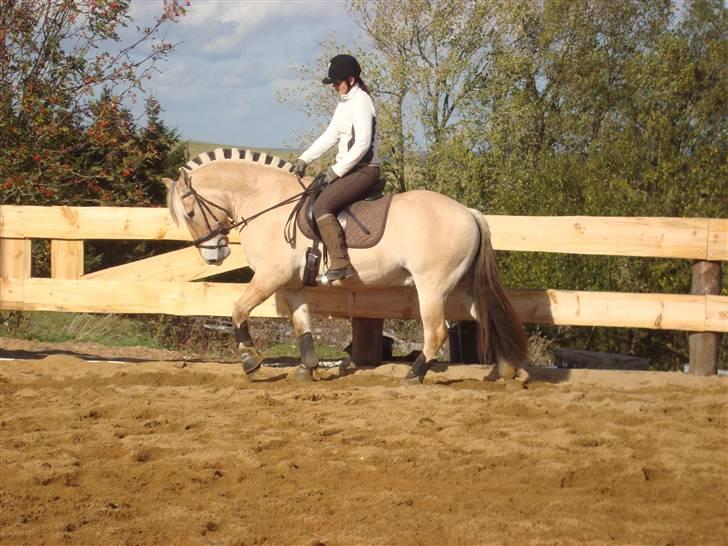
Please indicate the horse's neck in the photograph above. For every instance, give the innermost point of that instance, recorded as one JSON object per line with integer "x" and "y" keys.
{"x": 251, "y": 191}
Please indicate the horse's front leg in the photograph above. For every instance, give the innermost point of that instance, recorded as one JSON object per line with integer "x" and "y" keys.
{"x": 255, "y": 294}
{"x": 301, "y": 321}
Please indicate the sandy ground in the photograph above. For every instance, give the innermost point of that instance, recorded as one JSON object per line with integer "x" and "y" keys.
{"x": 175, "y": 452}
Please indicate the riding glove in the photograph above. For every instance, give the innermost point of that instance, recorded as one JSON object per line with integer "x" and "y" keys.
{"x": 330, "y": 176}
{"x": 300, "y": 169}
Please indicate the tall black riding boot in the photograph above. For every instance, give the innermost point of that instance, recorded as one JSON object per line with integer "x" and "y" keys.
{"x": 333, "y": 237}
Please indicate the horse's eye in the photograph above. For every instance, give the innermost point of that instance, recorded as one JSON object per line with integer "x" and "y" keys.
{"x": 189, "y": 211}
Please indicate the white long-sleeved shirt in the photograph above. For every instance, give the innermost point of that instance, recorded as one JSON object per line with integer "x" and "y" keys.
{"x": 353, "y": 126}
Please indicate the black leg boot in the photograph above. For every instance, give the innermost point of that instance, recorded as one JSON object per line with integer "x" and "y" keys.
{"x": 419, "y": 369}
{"x": 335, "y": 241}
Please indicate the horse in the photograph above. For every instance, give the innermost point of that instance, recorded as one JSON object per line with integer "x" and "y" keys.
{"x": 430, "y": 241}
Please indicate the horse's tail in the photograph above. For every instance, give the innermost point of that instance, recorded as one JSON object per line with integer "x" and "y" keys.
{"x": 502, "y": 339}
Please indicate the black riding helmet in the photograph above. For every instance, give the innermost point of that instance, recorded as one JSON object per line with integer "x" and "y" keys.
{"x": 341, "y": 67}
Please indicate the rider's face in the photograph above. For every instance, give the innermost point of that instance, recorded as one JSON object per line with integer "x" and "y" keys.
{"x": 344, "y": 86}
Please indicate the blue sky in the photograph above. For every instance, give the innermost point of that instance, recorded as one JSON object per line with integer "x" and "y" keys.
{"x": 220, "y": 83}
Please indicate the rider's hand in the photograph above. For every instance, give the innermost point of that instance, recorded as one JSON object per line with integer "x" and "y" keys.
{"x": 300, "y": 169}
{"x": 330, "y": 176}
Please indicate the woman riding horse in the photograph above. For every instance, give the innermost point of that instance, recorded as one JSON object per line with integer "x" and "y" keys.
{"x": 356, "y": 170}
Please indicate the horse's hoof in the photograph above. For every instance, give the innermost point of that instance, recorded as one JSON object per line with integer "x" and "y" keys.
{"x": 412, "y": 379}
{"x": 347, "y": 367}
{"x": 516, "y": 383}
{"x": 251, "y": 361}
{"x": 302, "y": 373}
{"x": 507, "y": 370}
{"x": 522, "y": 376}
{"x": 253, "y": 376}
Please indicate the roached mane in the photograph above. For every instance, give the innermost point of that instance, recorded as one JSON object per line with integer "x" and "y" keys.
{"x": 174, "y": 203}
{"x": 236, "y": 154}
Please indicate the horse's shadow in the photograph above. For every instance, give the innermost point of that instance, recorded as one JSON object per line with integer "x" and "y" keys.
{"x": 21, "y": 354}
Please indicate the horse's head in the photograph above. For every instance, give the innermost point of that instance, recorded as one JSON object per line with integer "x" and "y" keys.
{"x": 207, "y": 216}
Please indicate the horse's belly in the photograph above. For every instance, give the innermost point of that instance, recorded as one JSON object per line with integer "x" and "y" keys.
{"x": 375, "y": 268}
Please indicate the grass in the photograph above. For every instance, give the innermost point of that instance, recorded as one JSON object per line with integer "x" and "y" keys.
{"x": 291, "y": 350}
{"x": 121, "y": 331}
{"x": 111, "y": 330}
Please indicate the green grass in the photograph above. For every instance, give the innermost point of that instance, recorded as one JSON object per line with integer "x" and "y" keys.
{"x": 122, "y": 331}
{"x": 111, "y": 330}
{"x": 196, "y": 147}
{"x": 291, "y": 350}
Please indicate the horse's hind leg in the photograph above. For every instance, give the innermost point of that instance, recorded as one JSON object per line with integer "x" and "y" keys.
{"x": 432, "y": 312}
{"x": 301, "y": 321}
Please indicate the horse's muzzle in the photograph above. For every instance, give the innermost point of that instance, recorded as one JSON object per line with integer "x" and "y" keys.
{"x": 215, "y": 255}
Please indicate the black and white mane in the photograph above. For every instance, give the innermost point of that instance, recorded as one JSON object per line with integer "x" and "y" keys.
{"x": 236, "y": 154}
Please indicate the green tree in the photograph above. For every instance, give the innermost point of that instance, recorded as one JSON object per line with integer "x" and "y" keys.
{"x": 162, "y": 151}
{"x": 65, "y": 136}
{"x": 433, "y": 54}
{"x": 604, "y": 109}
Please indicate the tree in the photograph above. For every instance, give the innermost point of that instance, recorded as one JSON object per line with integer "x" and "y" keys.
{"x": 433, "y": 53}
{"x": 64, "y": 74}
{"x": 162, "y": 151}
{"x": 605, "y": 109}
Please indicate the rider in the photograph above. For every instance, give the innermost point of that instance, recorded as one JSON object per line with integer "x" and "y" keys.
{"x": 356, "y": 168}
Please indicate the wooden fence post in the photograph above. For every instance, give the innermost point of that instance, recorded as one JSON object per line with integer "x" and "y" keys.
{"x": 366, "y": 341}
{"x": 15, "y": 256}
{"x": 704, "y": 345}
{"x": 66, "y": 259}
{"x": 15, "y": 263}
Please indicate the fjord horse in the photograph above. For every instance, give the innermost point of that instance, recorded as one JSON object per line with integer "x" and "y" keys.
{"x": 430, "y": 242}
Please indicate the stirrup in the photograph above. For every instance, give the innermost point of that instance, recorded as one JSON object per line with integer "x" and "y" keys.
{"x": 335, "y": 275}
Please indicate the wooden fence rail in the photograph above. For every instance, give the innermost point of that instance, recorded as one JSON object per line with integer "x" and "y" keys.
{"x": 161, "y": 284}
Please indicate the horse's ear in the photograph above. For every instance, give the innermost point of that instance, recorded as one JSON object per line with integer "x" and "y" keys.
{"x": 167, "y": 182}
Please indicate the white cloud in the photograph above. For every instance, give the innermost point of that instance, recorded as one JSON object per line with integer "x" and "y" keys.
{"x": 225, "y": 25}
{"x": 220, "y": 84}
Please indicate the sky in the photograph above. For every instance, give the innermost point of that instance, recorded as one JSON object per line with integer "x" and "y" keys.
{"x": 220, "y": 83}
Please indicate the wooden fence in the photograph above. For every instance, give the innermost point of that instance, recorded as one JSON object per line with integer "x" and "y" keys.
{"x": 161, "y": 284}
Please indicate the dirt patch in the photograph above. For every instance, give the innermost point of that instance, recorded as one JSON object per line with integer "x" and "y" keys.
{"x": 180, "y": 452}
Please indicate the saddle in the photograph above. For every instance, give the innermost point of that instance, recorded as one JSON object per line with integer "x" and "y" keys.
{"x": 363, "y": 222}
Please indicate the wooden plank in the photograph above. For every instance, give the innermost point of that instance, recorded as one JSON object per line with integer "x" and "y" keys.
{"x": 15, "y": 258}
{"x": 614, "y": 236}
{"x": 66, "y": 259}
{"x": 173, "y": 298}
{"x": 653, "y": 311}
{"x": 718, "y": 239}
{"x": 656, "y": 237}
{"x": 89, "y": 223}
{"x": 716, "y": 313}
{"x": 15, "y": 263}
{"x": 179, "y": 265}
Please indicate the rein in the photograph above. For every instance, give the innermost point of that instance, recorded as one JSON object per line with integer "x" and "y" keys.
{"x": 222, "y": 229}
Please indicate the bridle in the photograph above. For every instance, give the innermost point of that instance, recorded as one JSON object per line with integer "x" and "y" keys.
{"x": 223, "y": 228}
{"x": 206, "y": 207}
